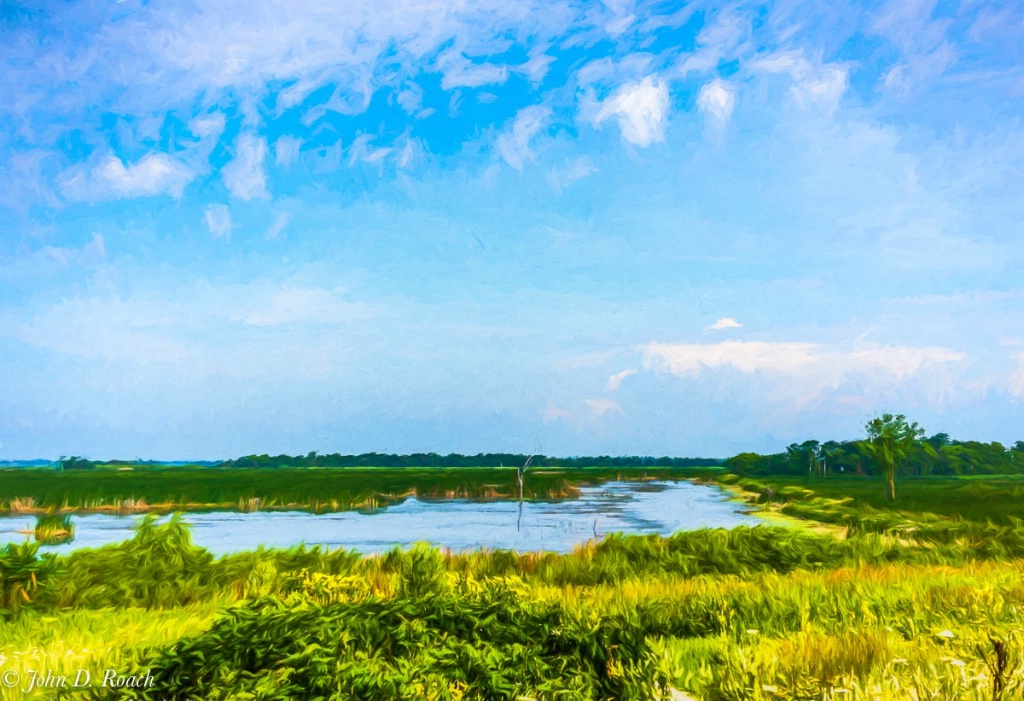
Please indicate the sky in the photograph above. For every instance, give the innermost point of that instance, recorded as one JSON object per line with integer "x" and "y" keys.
{"x": 569, "y": 228}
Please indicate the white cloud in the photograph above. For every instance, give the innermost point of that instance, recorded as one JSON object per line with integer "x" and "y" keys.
{"x": 245, "y": 176}
{"x": 1017, "y": 377}
{"x": 278, "y": 225}
{"x": 218, "y": 220}
{"x": 537, "y": 67}
{"x": 716, "y": 101}
{"x": 408, "y": 153}
{"x": 819, "y": 86}
{"x": 800, "y": 373}
{"x": 514, "y": 144}
{"x": 459, "y": 72}
{"x": 755, "y": 356}
{"x": 286, "y": 150}
{"x": 615, "y": 380}
{"x": 362, "y": 151}
{"x": 410, "y": 98}
{"x": 208, "y": 126}
{"x": 716, "y": 42}
{"x": 641, "y": 110}
{"x": 554, "y": 413}
{"x": 922, "y": 36}
{"x": 745, "y": 356}
{"x": 307, "y": 306}
{"x": 575, "y": 169}
{"x": 155, "y": 174}
{"x": 724, "y": 323}
{"x": 90, "y": 254}
{"x": 619, "y": 25}
{"x": 108, "y": 328}
{"x": 599, "y": 407}
{"x": 823, "y": 88}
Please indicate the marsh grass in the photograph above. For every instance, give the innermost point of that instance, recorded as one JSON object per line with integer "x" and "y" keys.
{"x": 53, "y": 528}
{"x": 314, "y": 489}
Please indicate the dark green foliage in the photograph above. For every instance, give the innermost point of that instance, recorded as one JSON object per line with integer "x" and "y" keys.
{"x": 75, "y": 463}
{"x": 24, "y": 576}
{"x": 937, "y": 455}
{"x": 738, "y": 551}
{"x": 321, "y": 489}
{"x": 434, "y": 460}
{"x": 158, "y": 567}
{"x": 489, "y": 645}
{"x": 890, "y": 439}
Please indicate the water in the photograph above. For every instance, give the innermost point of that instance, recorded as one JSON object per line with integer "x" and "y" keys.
{"x": 458, "y": 524}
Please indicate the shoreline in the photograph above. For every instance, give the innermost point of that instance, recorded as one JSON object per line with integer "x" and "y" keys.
{"x": 772, "y": 516}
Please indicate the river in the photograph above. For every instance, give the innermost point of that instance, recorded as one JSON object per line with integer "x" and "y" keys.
{"x": 458, "y": 524}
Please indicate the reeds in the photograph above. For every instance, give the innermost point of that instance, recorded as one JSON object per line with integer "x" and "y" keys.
{"x": 320, "y": 489}
{"x": 53, "y": 529}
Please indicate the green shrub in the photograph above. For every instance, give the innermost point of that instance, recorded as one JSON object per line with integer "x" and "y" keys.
{"x": 492, "y": 645}
{"x": 24, "y": 575}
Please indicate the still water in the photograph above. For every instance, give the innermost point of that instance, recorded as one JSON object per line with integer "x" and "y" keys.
{"x": 457, "y": 524}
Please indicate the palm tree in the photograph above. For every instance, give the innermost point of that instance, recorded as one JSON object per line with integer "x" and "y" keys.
{"x": 890, "y": 439}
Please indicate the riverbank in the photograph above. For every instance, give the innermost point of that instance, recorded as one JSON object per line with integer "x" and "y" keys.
{"x": 771, "y": 514}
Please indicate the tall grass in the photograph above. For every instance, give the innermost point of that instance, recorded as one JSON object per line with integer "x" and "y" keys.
{"x": 53, "y": 528}
{"x": 64, "y": 642}
{"x": 164, "y": 490}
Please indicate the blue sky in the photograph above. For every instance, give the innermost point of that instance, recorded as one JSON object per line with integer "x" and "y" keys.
{"x": 504, "y": 225}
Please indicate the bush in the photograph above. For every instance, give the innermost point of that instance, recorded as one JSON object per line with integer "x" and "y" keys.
{"x": 492, "y": 645}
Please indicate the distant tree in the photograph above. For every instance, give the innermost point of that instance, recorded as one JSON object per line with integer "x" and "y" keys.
{"x": 75, "y": 463}
{"x": 890, "y": 439}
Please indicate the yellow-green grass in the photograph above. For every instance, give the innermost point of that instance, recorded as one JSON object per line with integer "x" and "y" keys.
{"x": 64, "y": 642}
{"x": 887, "y": 632}
{"x": 995, "y": 498}
{"x": 770, "y": 513}
{"x": 880, "y": 632}
{"x": 53, "y": 528}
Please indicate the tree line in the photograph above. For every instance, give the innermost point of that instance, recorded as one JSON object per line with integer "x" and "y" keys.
{"x": 458, "y": 460}
{"x": 937, "y": 455}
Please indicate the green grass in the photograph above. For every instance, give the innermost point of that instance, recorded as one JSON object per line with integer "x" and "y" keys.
{"x": 52, "y": 528}
{"x": 993, "y": 498}
{"x": 425, "y": 625}
{"x": 64, "y": 642}
{"x": 317, "y": 489}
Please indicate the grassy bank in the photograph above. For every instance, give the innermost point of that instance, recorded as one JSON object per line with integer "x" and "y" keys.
{"x": 34, "y": 491}
{"x": 990, "y": 498}
{"x": 985, "y": 513}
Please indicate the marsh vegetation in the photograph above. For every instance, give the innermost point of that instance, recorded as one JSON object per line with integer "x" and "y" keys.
{"x": 906, "y": 605}
{"x": 166, "y": 489}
